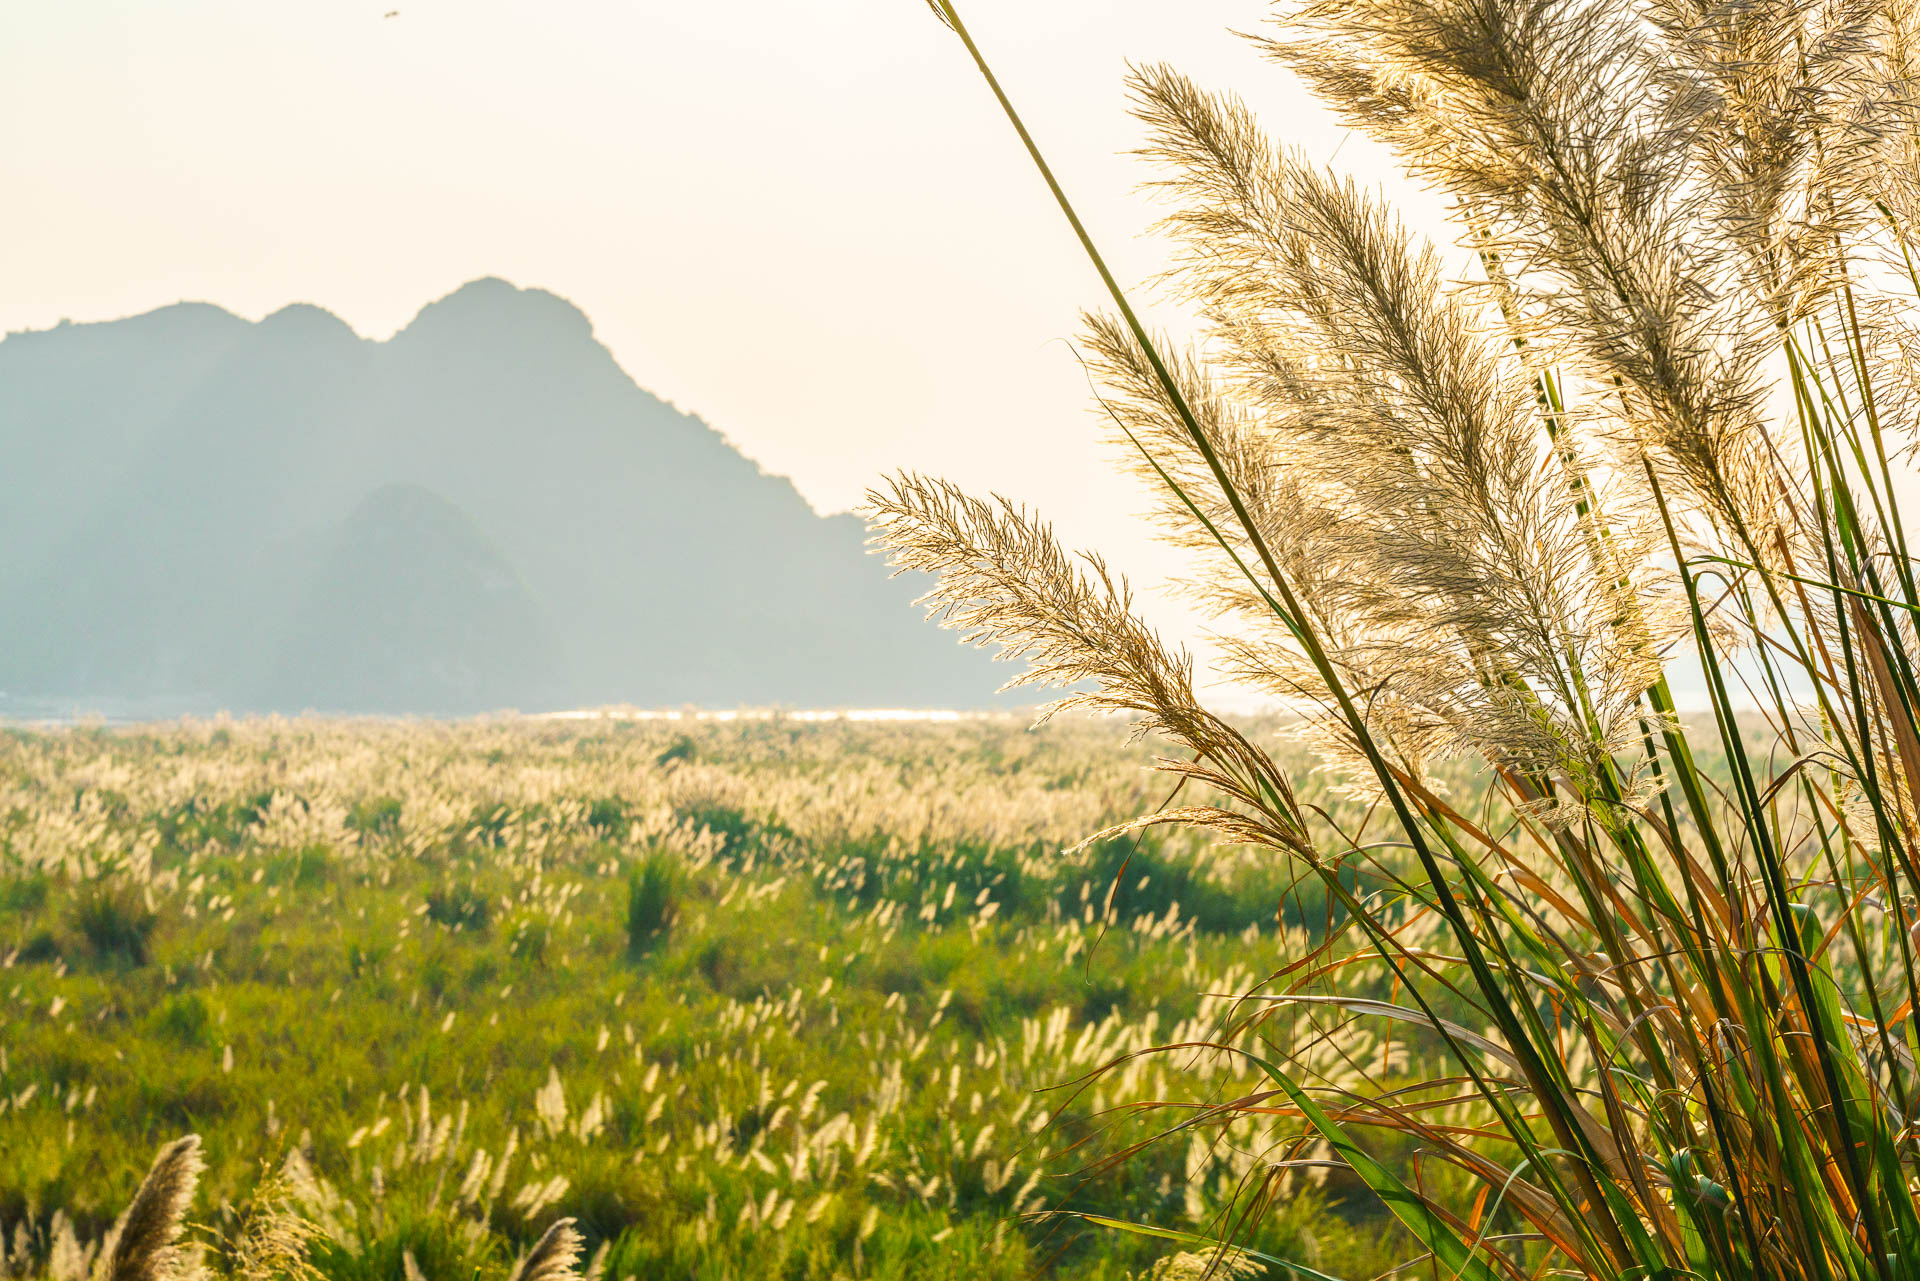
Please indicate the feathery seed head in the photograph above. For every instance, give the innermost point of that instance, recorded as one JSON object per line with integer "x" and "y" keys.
{"x": 553, "y": 1257}
{"x": 143, "y": 1243}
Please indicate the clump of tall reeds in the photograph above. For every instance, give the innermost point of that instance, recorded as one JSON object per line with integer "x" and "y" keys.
{"x": 1665, "y": 979}
{"x": 653, "y": 902}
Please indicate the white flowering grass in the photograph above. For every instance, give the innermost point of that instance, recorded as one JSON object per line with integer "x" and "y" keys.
{"x": 389, "y": 983}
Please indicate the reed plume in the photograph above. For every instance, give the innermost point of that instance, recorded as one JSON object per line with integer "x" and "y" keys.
{"x": 1664, "y": 993}
{"x": 143, "y": 1244}
{"x": 553, "y": 1257}
{"x": 1004, "y": 580}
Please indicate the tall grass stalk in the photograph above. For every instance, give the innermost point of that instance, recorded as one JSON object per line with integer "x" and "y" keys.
{"x": 1661, "y": 985}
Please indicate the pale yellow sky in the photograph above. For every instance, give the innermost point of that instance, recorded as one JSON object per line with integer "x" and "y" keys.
{"x": 808, "y": 223}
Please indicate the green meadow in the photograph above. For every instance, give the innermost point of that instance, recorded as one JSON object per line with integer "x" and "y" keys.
{"x": 768, "y": 998}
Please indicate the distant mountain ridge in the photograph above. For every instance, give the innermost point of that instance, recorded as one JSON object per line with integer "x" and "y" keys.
{"x": 483, "y": 511}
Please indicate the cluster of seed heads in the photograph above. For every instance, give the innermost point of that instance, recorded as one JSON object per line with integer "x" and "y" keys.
{"x": 145, "y": 1242}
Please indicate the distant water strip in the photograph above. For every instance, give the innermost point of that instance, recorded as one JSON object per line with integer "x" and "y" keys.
{"x": 775, "y": 714}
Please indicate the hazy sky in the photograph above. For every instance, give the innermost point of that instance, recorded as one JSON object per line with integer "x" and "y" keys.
{"x": 808, "y": 223}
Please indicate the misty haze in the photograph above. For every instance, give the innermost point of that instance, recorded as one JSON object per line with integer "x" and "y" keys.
{"x": 481, "y": 513}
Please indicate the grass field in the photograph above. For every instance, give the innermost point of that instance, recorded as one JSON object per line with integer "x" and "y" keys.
{"x": 749, "y": 999}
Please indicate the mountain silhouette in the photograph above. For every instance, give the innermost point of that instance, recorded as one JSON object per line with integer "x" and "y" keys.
{"x": 481, "y": 512}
